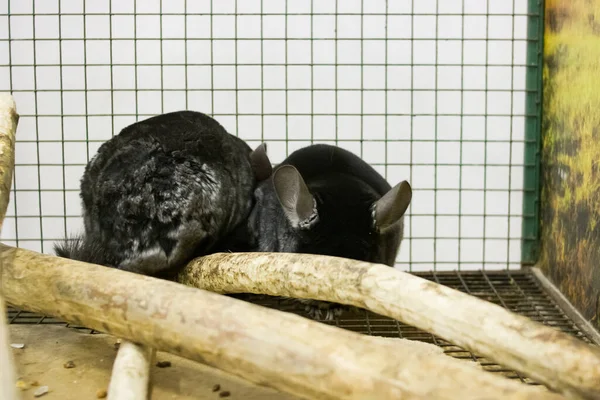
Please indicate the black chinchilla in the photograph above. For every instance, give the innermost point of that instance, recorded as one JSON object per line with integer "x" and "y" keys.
{"x": 163, "y": 191}
{"x": 325, "y": 200}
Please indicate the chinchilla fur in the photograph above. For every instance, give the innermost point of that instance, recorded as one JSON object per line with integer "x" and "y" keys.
{"x": 165, "y": 190}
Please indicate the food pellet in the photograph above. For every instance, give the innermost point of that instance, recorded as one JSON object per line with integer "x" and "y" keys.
{"x": 163, "y": 364}
{"x": 69, "y": 364}
{"x": 17, "y": 345}
{"x": 216, "y": 388}
{"x": 225, "y": 394}
{"x": 101, "y": 393}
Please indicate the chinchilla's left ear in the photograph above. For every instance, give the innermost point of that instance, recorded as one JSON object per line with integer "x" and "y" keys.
{"x": 297, "y": 202}
{"x": 391, "y": 207}
{"x": 261, "y": 165}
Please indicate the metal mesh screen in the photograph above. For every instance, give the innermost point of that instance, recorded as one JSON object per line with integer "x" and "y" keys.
{"x": 518, "y": 291}
{"x": 430, "y": 91}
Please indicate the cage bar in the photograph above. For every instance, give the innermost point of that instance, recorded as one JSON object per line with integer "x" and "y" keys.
{"x": 533, "y": 131}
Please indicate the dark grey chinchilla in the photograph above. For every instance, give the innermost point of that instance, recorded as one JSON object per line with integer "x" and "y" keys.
{"x": 325, "y": 200}
{"x": 163, "y": 191}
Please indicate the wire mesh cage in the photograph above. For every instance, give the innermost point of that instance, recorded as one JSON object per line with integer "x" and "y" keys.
{"x": 444, "y": 94}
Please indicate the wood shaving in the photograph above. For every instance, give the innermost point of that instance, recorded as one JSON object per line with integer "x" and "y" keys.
{"x": 42, "y": 390}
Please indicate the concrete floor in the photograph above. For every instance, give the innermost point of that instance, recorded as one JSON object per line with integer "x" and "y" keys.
{"x": 48, "y": 348}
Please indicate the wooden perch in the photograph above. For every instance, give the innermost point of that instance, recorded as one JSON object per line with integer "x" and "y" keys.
{"x": 269, "y": 347}
{"x": 8, "y": 128}
{"x": 8, "y": 377}
{"x": 554, "y": 358}
{"x": 130, "y": 379}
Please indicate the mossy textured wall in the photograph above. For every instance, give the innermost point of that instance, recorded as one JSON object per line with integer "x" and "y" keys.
{"x": 570, "y": 208}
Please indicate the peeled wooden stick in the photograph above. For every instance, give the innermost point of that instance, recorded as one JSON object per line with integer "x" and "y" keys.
{"x": 8, "y": 378}
{"x": 130, "y": 379}
{"x": 556, "y": 359}
{"x": 8, "y": 127}
{"x": 269, "y": 347}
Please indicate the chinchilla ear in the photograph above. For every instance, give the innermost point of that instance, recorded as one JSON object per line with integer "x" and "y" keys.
{"x": 261, "y": 165}
{"x": 391, "y": 207}
{"x": 296, "y": 200}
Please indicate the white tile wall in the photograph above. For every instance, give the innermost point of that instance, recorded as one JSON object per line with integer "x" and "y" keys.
{"x": 429, "y": 91}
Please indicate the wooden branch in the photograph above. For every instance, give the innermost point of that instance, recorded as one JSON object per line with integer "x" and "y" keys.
{"x": 8, "y": 128}
{"x": 130, "y": 379}
{"x": 556, "y": 359}
{"x": 8, "y": 377}
{"x": 269, "y": 347}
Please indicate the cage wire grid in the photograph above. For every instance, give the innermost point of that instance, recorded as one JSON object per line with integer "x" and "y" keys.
{"x": 444, "y": 94}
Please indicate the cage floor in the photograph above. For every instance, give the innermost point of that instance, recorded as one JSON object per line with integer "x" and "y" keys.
{"x": 518, "y": 291}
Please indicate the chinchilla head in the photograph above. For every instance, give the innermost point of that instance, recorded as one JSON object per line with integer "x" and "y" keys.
{"x": 336, "y": 214}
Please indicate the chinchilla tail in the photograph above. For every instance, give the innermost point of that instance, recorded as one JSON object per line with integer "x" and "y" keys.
{"x": 79, "y": 248}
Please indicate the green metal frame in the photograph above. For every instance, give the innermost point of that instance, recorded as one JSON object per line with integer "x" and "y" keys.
{"x": 533, "y": 134}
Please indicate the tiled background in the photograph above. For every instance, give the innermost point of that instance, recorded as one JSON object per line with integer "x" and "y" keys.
{"x": 428, "y": 91}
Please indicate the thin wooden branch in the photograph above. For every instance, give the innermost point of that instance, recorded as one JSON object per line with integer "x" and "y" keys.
{"x": 8, "y": 128}
{"x": 8, "y": 378}
{"x": 269, "y": 347}
{"x": 130, "y": 379}
{"x": 554, "y": 358}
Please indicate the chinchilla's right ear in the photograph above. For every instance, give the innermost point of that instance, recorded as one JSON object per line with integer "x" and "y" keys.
{"x": 390, "y": 208}
{"x": 261, "y": 165}
{"x": 295, "y": 199}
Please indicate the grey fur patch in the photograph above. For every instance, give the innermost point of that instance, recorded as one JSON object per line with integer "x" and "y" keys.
{"x": 164, "y": 190}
